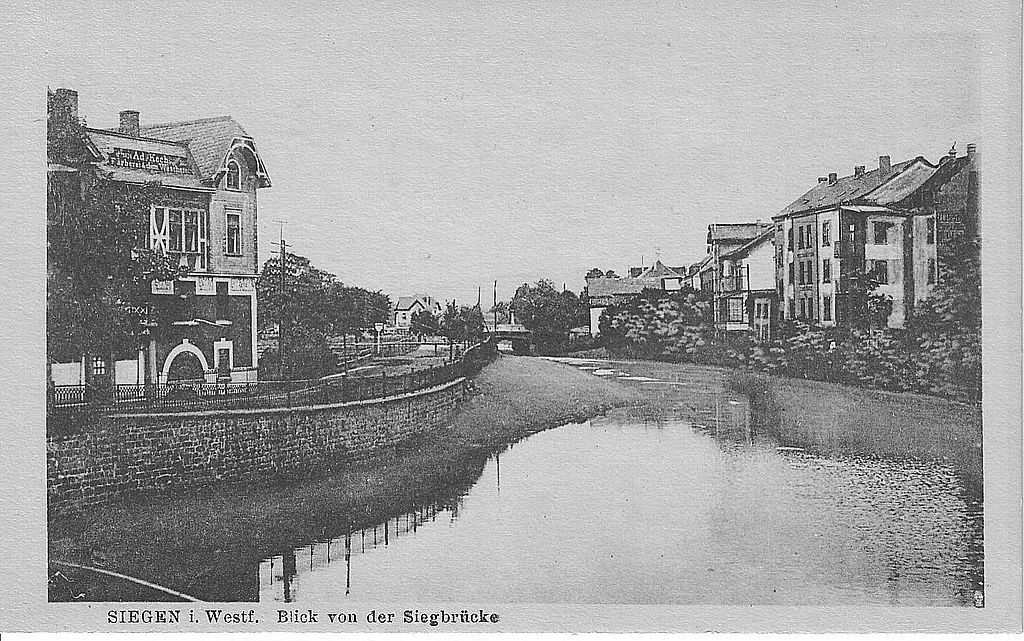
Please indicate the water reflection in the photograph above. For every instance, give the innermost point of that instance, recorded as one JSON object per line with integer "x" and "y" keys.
{"x": 281, "y": 575}
{"x": 644, "y": 507}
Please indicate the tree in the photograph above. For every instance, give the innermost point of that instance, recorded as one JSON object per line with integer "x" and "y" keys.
{"x": 955, "y": 301}
{"x": 423, "y": 323}
{"x": 472, "y": 320}
{"x": 500, "y": 310}
{"x": 312, "y": 306}
{"x": 867, "y": 308}
{"x": 595, "y": 273}
{"x": 548, "y": 313}
{"x": 99, "y": 265}
{"x": 611, "y": 274}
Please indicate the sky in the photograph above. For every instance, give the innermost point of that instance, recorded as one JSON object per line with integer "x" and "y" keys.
{"x": 438, "y": 147}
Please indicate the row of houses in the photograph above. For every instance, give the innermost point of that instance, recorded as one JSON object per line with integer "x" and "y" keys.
{"x": 886, "y": 224}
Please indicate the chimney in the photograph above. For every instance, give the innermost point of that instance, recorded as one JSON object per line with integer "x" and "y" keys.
{"x": 129, "y": 123}
{"x": 833, "y": 178}
{"x": 858, "y": 171}
{"x": 972, "y": 158}
{"x": 69, "y": 99}
{"x": 822, "y": 179}
{"x": 884, "y": 166}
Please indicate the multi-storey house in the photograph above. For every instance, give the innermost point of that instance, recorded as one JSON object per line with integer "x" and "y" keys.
{"x": 745, "y": 298}
{"x": 883, "y": 224}
{"x": 722, "y": 240}
{"x": 202, "y": 325}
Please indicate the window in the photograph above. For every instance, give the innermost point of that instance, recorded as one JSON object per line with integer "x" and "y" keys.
{"x": 803, "y": 308}
{"x": 791, "y": 273}
{"x": 826, "y": 234}
{"x": 792, "y": 308}
{"x": 234, "y": 176}
{"x": 800, "y": 238}
{"x": 808, "y": 231}
{"x": 190, "y": 228}
{"x": 931, "y": 271}
{"x": 233, "y": 241}
{"x": 826, "y": 271}
{"x": 735, "y": 310}
{"x": 790, "y": 237}
{"x": 931, "y": 230}
{"x": 99, "y": 365}
{"x": 177, "y": 230}
{"x": 880, "y": 270}
{"x": 826, "y": 308}
{"x": 882, "y": 233}
{"x": 802, "y": 272}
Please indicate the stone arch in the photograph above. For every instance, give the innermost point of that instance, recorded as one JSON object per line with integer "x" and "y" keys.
{"x": 185, "y": 347}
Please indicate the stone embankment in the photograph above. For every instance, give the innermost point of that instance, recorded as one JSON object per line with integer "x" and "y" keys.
{"x": 123, "y": 455}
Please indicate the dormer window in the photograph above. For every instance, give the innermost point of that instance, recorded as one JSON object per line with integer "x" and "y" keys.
{"x": 234, "y": 177}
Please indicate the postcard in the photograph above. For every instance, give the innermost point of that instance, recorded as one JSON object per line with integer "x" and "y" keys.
{"x": 559, "y": 317}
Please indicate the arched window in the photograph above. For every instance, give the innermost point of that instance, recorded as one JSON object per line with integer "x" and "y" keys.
{"x": 234, "y": 179}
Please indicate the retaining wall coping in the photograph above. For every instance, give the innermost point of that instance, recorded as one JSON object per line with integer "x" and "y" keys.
{"x": 299, "y": 408}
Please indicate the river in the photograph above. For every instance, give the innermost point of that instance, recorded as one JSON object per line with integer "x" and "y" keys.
{"x": 640, "y": 506}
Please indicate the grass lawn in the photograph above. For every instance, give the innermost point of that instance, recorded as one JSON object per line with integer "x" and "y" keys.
{"x": 210, "y": 544}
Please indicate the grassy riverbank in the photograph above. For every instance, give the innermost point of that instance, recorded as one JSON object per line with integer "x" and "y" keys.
{"x": 210, "y": 545}
{"x": 838, "y": 419}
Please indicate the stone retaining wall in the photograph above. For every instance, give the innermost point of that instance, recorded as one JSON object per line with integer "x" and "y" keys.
{"x": 123, "y": 455}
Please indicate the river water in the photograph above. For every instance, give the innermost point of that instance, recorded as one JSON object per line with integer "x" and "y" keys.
{"x": 647, "y": 508}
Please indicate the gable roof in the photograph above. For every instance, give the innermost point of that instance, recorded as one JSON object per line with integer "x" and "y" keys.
{"x": 210, "y": 140}
{"x": 719, "y": 232}
{"x": 174, "y": 169}
{"x": 659, "y": 270}
{"x": 945, "y": 171}
{"x": 746, "y": 248}
{"x": 696, "y": 267}
{"x": 903, "y": 178}
{"x": 405, "y": 303}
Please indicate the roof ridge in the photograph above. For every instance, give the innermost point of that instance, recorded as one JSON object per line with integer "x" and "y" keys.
{"x": 119, "y": 134}
{"x": 187, "y": 122}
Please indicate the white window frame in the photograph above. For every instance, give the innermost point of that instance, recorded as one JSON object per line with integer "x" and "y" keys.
{"x": 238, "y": 175}
{"x": 160, "y": 234}
{"x": 228, "y": 213}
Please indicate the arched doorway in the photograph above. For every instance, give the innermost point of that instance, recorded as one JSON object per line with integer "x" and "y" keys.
{"x": 185, "y": 363}
{"x": 185, "y": 368}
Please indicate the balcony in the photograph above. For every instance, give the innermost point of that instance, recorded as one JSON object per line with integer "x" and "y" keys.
{"x": 731, "y": 283}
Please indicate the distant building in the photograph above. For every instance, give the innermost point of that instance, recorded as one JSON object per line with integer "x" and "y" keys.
{"x": 209, "y": 172}
{"x": 658, "y": 276}
{"x": 603, "y": 291}
{"x": 745, "y": 296}
{"x": 407, "y": 306}
{"x": 886, "y": 222}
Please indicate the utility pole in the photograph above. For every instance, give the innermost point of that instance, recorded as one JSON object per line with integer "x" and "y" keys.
{"x": 283, "y": 265}
{"x": 494, "y": 308}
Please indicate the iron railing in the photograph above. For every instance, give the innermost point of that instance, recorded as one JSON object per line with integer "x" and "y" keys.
{"x": 72, "y": 400}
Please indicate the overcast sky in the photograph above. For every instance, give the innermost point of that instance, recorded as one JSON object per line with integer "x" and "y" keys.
{"x": 436, "y": 148}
